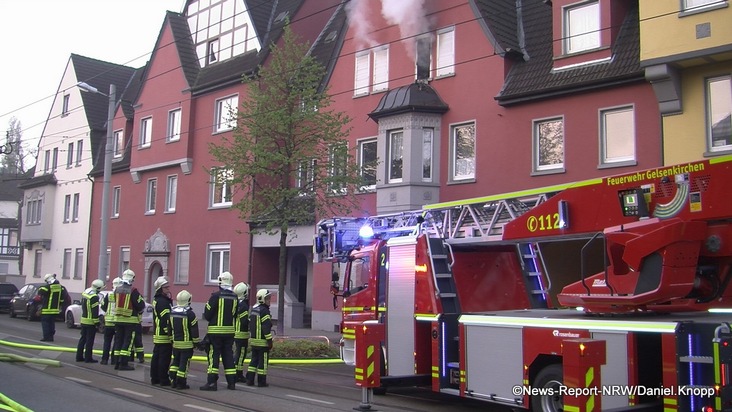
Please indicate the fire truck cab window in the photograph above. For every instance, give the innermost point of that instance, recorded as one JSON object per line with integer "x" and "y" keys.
{"x": 358, "y": 277}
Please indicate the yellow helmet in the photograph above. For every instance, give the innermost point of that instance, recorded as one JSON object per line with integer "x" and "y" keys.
{"x": 98, "y": 284}
{"x": 128, "y": 276}
{"x": 226, "y": 279}
{"x": 262, "y": 295}
{"x": 183, "y": 298}
{"x": 49, "y": 278}
{"x": 160, "y": 282}
{"x": 116, "y": 282}
{"x": 242, "y": 290}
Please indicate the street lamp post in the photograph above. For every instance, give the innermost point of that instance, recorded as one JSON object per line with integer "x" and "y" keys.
{"x": 106, "y": 179}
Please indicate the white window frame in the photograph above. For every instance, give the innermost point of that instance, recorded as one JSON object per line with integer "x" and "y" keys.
{"x": 221, "y": 191}
{"x": 304, "y": 180}
{"x": 182, "y": 263}
{"x": 66, "y": 264}
{"x": 617, "y": 136}
{"x": 79, "y": 151}
{"x": 693, "y": 5}
{"x": 78, "y": 263}
{"x": 116, "y": 200}
{"x": 719, "y": 108}
{"x": 171, "y": 193}
{"x": 395, "y": 152}
{"x": 462, "y": 168}
{"x": 174, "y": 122}
{"x": 47, "y": 162}
{"x": 75, "y": 208}
{"x": 65, "y": 105}
{"x": 361, "y": 73}
{"x": 119, "y": 143}
{"x": 146, "y": 132}
{"x": 380, "y": 77}
{"x": 151, "y": 195}
{"x": 226, "y": 113}
{"x": 445, "y": 54}
{"x": 428, "y": 147}
{"x": 537, "y": 128}
{"x": 218, "y": 254}
{"x": 67, "y": 208}
{"x": 124, "y": 257}
{"x": 55, "y": 159}
{"x": 70, "y": 155}
{"x": 581, "y": 35}
{"x": 363, "y": 162}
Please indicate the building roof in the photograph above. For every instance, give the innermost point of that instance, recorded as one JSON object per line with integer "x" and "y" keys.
{"x": 531, "y": 77}
{"x": 327, "y": 46}
{"x": 38, "y": 181}
{"x": 415, "y": 97}
{"x": 9, "y": 190}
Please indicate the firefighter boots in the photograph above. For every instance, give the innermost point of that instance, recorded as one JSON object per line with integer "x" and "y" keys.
{"x": 181, "y": 383}
{"x": 250, "y": 379}
{"x": 262, "y": 381}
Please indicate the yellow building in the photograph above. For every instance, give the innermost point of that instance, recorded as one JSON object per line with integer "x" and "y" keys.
{"x": 686, "y": 50}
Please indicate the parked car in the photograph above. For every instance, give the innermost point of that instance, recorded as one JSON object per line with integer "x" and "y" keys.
{"x": 7, "y": 291}
{"x": 26, "y": 303}
{"x": 73, "y": 315}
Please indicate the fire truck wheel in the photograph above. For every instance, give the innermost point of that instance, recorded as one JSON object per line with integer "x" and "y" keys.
{"x": 549, "y": 377}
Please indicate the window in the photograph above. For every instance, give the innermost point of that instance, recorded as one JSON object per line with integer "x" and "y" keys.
{"x": 361, "y": 84}
{"x": 124, "y": 258}
{"x": 618, "y": 135}
{"x": 109, "y": 259}
{"x": 119, "y": 144}
{"x": 67, "y": 208}
{"x": 424, "y": 57}
{"x": 396, "y": 156}
{"x": 305, "y": 176}
{"x": 75, "y": 210}
{"x": 548, "y": 144}
{"x": 65, "y": 105}
{"x": 582, "y": 27}
{"x": 427, "y": 137}
{"x": 152, "y": 189}
{"x": 38, "y": 263}
{"x": 174, "y": 117}
{"x": 116, "y": 195}
{"x": 70, "y": 155}
{"x": 691, "y": 4}
{"x": 47, "y": 162}
{"x": 381, "y": 69}
{"x": 719, "y": 113}
{"x": 9, "y": 242}
{"x": 54, "y": 160}
{"x": 446, "y": 52}
{"x": 462, "y": 150}
{"x": 66, "y": 268}
{"x": 221, "y": 193}
{"x": 337, "y": 157}
{"x": 212, "y": 51}
{"x": 367, "y": 161}
{"x": 146, "y": 132}
{"x": 34, "y": 210}
{"x": 226, "y": 110}
{"x": 218, "y": 260}
{"x": 171, "y": 192}
{"x": 79, "y": 264}
{"x": 79, "y": 151}
{"x": 182, "y": 256}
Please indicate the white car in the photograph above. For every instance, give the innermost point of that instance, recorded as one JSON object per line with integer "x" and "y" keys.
{"x": 73, "y": 315}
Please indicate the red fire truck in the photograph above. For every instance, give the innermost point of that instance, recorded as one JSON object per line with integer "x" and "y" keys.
{"x": 605, "y": 294}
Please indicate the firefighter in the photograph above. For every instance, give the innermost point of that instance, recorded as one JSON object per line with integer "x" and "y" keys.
{"x": 54, "y": 300}
{"x": 241, "y": 336}
{"x": 183, "y": 330}
{"x": 162, "y": 341}
{"x": 128, "y": 305}
{"x": 221, "y": 311}
{"x": 136, "y": 349}
{"x": 89, "y": 322}
{"x": 107, "y": 305}
{"x": 260, "y": 328}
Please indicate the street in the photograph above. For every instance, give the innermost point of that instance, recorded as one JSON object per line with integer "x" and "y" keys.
{"x": 91, "y": 387}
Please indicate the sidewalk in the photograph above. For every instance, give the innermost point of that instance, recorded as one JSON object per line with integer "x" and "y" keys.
{"x": 332, "y": 337}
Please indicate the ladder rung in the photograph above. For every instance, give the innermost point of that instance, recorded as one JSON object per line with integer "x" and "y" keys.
{"x": 696, "y": 359}
{"x": 447, "y": 295}
{"x": 443, "y": 275}
{"x": 439, "y": 257}
{"x": 533, "y": 274}
{"x": 539, "y": 292}
{"x": 529, "y": 256}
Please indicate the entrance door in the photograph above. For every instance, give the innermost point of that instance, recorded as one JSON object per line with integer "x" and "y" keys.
{"x": 154, "y": 272}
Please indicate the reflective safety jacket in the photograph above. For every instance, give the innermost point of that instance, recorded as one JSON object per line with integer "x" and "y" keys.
{"x": 161, "y": 311}
{"x": 242, "y": 321}
{"x": 221, "y": 312}
{"x": 260, "y": 326}
{"x": 90, "y": 307}
{"x": 128, "y": 304}
{"x": 108, "y": 306}
{"x": 183, "y": 327}
{"x": 54, "y": 298}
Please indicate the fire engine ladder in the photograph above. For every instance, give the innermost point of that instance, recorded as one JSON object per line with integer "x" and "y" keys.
{"x": 440, "y": 255}
{"x": 532, "y": 264}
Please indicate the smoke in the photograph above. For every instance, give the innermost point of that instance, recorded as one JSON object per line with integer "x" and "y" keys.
{"x": 409, "y": 15}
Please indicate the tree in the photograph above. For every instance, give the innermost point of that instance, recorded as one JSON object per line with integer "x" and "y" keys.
{"x": 288, "y": 159}
{"x": 13, "y": 162}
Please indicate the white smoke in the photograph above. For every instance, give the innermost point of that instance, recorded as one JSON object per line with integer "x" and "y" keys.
{"x": 358, "y": 19}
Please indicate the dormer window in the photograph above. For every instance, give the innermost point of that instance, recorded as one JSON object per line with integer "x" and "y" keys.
{"x": 581, "y": 29}
{"x": 212, "y": 54}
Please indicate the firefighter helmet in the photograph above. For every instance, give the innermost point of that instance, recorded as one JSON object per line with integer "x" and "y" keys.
{"x": 49, "y": 278}
{"x": 242, "y": 290}
{"x": 116, "y": 282}
{"x": 183, "y": 298}
{"x": 226, "y": 279}
{"x": 160, "y": 282}
{"x": 97, "y": 284}
{"x": 128, "y": 276}
{"x": 262, "y": 295}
